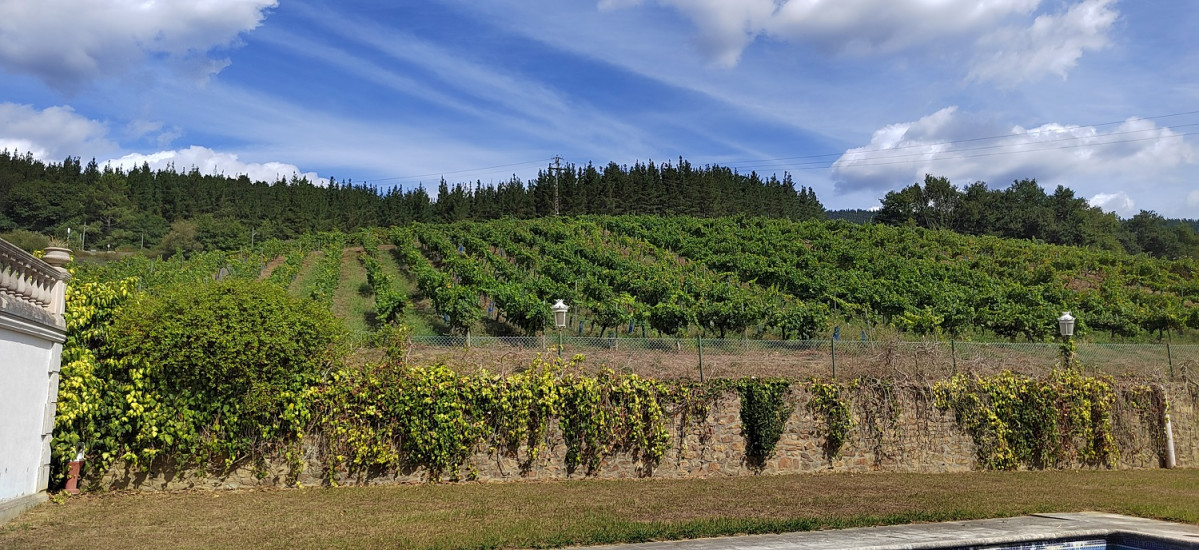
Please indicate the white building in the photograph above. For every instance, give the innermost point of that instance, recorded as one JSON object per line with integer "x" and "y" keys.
{"x": 32, "y": 331}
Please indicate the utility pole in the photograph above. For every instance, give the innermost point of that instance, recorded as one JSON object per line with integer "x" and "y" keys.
{"x": 557, "y": 169}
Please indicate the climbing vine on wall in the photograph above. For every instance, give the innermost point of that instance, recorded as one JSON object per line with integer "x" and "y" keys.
{"x": 764, "y": 413}
{"x": 85, "y": 405}
{"x": 828, "y": 404}
{"x": 393, "y": 415}
{"x": 1148, "y": 404}
{"x": 1017, "y": 420}
{"x": 188, "y": 376}
{"x": 879, "y": 408}
{"x": 690, "y": 403}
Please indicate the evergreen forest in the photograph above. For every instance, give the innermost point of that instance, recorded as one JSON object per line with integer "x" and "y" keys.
{"x": 168, "y": 211}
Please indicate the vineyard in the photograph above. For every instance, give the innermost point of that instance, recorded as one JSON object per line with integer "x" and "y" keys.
{"x": 745, "y": 278}
{"x": 206, "y": 358}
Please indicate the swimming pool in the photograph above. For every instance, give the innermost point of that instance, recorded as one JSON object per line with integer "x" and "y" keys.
{"x": 1114, "y": 542}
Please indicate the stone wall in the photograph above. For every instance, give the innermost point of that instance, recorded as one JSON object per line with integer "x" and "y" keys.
{"x": 896, "y": 432}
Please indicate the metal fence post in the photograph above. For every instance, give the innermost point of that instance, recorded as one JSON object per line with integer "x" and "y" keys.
{"x": 699, "y": 345}
{"x": 1170, "y": 360}
{"x": 953, "y": 353}
{"x": 832, "y": 346}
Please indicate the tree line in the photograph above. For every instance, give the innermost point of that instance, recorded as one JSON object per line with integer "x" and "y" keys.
{"x": 1025, "y": 211}
{"x": 169, "y": 211}
{"x": 190, "y": 211}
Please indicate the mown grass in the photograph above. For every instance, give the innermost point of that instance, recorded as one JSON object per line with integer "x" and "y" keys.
{"x": 353, "y": 301}
{"x": 541, "y": 515}
{"x": 305, "y": 280}
{"x": 419, "y": 315}
{"x": 420, "y": 323}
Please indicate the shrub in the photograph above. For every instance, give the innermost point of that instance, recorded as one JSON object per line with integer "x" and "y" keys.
{"x": 26, "y": 240}
{"x": 219, "y": 370}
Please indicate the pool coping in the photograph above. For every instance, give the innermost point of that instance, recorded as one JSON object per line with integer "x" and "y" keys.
{"x": 927, "y": 536}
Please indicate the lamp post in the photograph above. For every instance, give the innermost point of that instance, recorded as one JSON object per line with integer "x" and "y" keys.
{"x": 559, "y": 310}
{"x": 1065, "y": 326}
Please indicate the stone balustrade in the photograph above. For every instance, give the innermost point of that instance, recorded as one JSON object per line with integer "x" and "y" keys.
{"x": 32, "y": 331}
{"x": 28, "y": 279}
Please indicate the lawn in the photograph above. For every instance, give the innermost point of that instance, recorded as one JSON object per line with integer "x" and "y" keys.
{"x": 517, "y": 515}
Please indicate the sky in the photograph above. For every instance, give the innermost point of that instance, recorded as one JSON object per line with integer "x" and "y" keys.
{"x": 854, "y": 98}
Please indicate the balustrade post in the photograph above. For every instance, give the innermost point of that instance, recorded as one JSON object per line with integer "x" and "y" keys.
{"x": 39, "y": 283}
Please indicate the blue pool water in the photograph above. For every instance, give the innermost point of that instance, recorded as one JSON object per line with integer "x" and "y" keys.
{"x": 1119, "y": 542}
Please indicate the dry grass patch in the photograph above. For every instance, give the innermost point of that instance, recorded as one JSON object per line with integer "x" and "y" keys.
{"x": 518, "y": 515}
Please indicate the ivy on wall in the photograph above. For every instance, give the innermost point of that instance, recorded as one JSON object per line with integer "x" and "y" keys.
{"x": 764, "y": 413}
{"x": 395, "y": 415}
{"x": 1149, "y": 405}
{"x": 827, "y": 403}
{"x": 1019, "y": 421}
{"x": 879, "y": 409}
{"x": 85, "y": 391}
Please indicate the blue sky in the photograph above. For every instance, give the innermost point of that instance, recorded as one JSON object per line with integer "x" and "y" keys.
{"x": 854, "y": 98}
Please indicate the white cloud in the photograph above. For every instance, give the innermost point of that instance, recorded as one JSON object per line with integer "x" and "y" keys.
{"x": 1016, "y": 42}
{"x": 68, "y": 43}
{"x": 1052, "y": 45}
{"x": 872, "y": 26}
{"x": 1118, "y": 202}
{"x": 967, "y": 147}
{"x": 1193, "y": 199}
{"x": 208, "y": 161}
{"x": 726, "y": 28}
{"x": 51, "y": 134}
{"x": 54, "y": 133}
{"x": 846, "y": 26}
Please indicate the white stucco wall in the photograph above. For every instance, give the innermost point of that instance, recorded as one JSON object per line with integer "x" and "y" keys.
{"x": 32, "y": 331}
{"x": 28, "y": 374}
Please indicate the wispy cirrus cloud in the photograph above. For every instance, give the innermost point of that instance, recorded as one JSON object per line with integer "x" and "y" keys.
{"x": 500, "y": 100}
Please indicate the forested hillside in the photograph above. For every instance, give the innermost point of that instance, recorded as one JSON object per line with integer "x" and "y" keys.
{"x": 166, "y": 211}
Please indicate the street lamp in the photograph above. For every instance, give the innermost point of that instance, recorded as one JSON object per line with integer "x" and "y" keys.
{"x": 559, "y": 310}
{"x": 1065, "y": 326}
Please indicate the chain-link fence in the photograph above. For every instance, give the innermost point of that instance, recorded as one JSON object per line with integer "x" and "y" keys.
{"x": 667, "y": 358}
